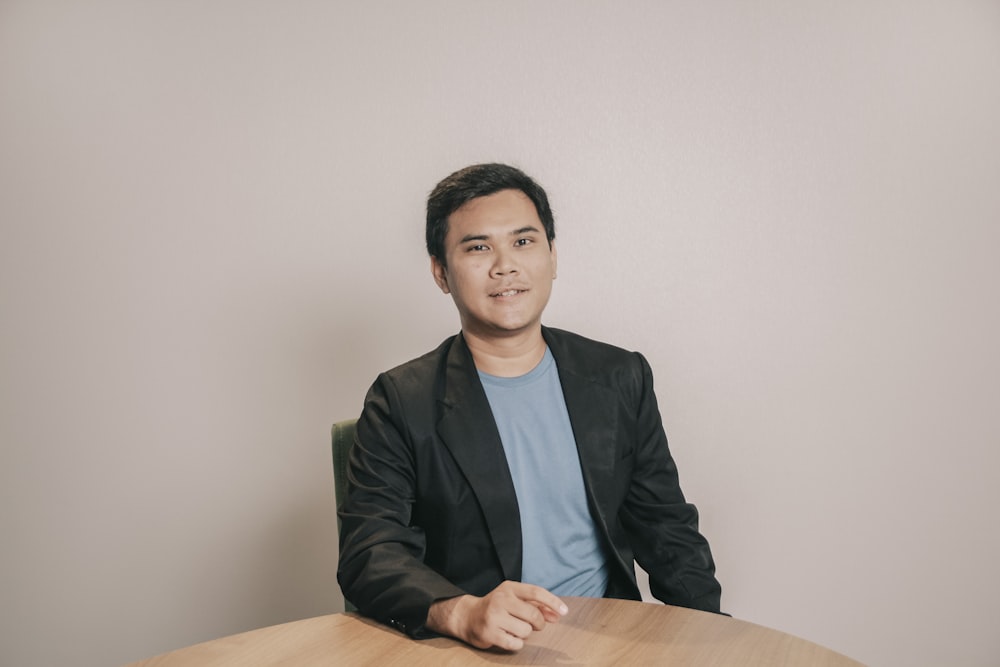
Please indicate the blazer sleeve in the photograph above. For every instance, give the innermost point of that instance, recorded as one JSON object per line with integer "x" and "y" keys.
{"x": 662, "y": 527}
{"x": 382, "y": 569}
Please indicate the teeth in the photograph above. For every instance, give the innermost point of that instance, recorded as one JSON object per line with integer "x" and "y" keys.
{"x": 510, "y": 292}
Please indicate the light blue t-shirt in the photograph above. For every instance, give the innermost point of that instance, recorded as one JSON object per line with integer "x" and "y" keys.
{"x": 562, "y": 549}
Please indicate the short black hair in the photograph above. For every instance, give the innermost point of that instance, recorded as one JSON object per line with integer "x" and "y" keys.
{"x": 480, "y": 180}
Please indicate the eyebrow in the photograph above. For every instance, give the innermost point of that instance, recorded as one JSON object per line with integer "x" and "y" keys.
{"x": 485, "y": 237}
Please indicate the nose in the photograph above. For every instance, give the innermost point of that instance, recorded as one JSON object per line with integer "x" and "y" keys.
{"x": 503, "y": 264}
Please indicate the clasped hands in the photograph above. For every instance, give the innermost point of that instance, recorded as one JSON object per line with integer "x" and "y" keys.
{"x": 503, "y": 618}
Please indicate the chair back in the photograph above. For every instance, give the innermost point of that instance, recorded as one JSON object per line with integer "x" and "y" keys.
{"x": 342, "y": 436}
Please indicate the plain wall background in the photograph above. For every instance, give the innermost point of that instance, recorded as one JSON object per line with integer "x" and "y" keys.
{"x": 211, "y": 243}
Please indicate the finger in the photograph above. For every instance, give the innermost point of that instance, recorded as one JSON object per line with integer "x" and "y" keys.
{"x": 502, "y": 637}
{"x": 517, "y": 627}
{"x": 535, "y": 613}
{"x": 513, "y": 614}
{"x": 541, "y": 598}
{"x": 511, "y": 643}
{"x": 548, "y": 614}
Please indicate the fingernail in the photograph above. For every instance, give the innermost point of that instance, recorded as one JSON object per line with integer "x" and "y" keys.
{"x": 563, "y": 609}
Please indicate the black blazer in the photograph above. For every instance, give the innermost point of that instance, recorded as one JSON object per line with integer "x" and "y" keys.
{"x": 431, "y": 511}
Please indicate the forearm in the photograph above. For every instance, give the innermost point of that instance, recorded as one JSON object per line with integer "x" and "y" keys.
{"x": 389, "y": 581}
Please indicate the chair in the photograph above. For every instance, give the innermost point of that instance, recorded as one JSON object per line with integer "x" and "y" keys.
{"x": 342, "y": 435}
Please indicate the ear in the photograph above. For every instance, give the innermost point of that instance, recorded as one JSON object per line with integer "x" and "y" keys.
{"x": 440, "y": 273}
{"x": 555, "y": 258}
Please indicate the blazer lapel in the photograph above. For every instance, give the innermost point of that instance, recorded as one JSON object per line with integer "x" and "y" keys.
{"x": 468, "y": 430}
{"x": 593, "y": 415}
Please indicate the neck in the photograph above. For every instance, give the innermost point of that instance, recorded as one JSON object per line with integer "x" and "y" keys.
{"x": 509, "y": 356}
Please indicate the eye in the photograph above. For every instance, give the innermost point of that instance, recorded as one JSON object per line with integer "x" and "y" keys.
{"x": 479, "y": 247}
{"x": 523, "y": 242}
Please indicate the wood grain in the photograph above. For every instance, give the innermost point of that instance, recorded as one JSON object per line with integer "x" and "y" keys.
{"x": 595, "y": 632}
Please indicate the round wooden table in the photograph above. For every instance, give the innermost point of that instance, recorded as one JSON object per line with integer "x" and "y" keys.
{"x": 595, "y": 632}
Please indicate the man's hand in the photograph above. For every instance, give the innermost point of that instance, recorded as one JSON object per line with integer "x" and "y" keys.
{"x": 503, "y": 618}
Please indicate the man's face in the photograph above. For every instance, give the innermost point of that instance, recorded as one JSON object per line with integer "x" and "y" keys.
{"x": 500, "y": 266}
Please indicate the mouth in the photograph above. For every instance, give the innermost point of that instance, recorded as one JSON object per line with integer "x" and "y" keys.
{"x": 509, "y": 292}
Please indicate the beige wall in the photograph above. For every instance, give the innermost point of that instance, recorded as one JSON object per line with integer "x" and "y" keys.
{"x": 211, "y": 243}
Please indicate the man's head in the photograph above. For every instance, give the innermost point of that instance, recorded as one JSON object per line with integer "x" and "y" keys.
{"x": 479, "y": 180}
{"x": 490, "y": 237}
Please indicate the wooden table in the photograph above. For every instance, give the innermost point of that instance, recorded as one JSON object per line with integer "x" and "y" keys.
{"x": 595, "y": 632}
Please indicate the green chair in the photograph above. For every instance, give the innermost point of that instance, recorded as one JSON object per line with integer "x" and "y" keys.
{"x": 342, "y": 435}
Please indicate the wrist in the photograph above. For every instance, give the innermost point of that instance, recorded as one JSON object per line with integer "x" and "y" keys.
{"x": 443, "y": 616}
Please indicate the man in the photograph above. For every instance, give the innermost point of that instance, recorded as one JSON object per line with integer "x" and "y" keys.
{"x": 514, "y": 463}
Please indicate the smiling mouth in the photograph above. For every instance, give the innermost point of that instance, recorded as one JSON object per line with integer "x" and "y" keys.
{"x": 510, "y": 292}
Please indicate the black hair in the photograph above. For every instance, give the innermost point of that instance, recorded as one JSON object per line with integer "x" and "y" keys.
{"x": 480, "y": 180}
